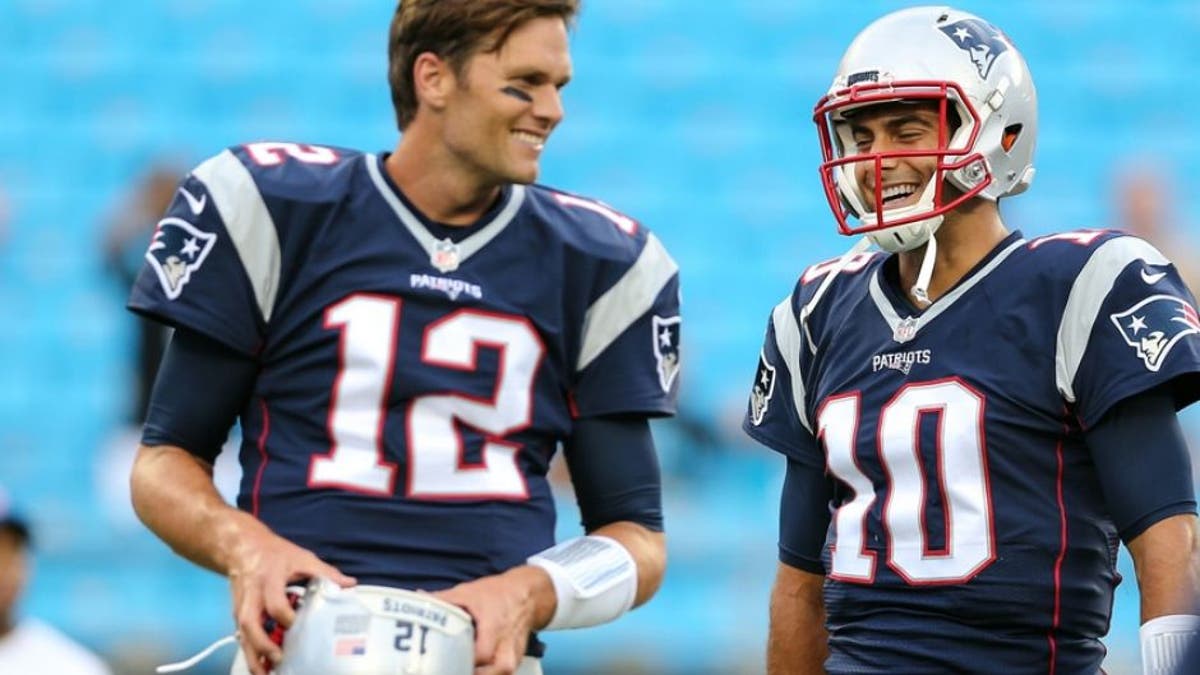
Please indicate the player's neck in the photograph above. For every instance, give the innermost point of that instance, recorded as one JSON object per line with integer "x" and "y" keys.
{"x": 966, "y": 237}
{"x": 435, "y": 183}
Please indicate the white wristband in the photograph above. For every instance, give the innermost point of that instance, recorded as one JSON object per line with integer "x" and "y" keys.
{"x": 1165, "y": 642}
{"x": 595, "y": 579}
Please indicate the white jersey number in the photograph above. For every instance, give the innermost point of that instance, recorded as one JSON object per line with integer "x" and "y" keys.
{"x": 961, "y": 472}
{"x": 274, "y": 154}
{"x": 436, "y": 467}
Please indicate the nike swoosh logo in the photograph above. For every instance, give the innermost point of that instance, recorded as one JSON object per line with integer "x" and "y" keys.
{"x": 197, "y": 205}
{"x": 1152, "y": 278}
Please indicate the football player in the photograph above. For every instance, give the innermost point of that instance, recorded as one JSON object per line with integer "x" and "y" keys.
{"x": 972, "y": 420}
{"x": 405, "y": 337}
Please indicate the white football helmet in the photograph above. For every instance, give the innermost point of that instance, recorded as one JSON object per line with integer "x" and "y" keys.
{"x": 367, "y": 630}
{"x": 372, "y": 630}
{"x": 970, "y": 69}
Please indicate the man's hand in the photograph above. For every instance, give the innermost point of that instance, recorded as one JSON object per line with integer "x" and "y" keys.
{"x": 506, "y": 608}
{"x": 262, "y": 567}
{"x": 174, "y": 495}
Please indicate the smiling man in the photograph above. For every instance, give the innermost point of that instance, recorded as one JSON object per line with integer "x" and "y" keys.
{"x": 406, "y": 338}
{"x": 972, "y": 421}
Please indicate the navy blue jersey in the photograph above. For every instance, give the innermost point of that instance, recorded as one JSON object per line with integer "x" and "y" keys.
{"x": 413, "y": 388}
{"x": 967, "y": 532}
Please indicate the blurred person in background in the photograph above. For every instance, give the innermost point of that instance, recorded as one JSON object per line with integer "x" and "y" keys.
{"x": 958, "y": 414}
{"x": 26, "y": 644}
{"x": 127, "y": 232}
{"x": 1144, "y": 199}
{"x": 1143, "y": 202}
{"x": 126, "y": 236}
{"x": 406, "y": 337}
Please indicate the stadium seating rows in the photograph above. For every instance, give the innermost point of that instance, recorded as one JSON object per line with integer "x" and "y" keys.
{"x": 693, "y": 117}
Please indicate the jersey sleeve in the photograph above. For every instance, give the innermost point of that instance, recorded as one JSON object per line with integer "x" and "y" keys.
{"x": 629, "y": 358}
{"x": 776, "y": 415}
{"x": 1130, "y": 325}
{"x": 210, "y": 261}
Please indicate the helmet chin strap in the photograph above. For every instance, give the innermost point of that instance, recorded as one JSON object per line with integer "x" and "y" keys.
{"x": 920, "y": 290}
{"x": 914, "y": 234}
{"x": 204, "y": 653}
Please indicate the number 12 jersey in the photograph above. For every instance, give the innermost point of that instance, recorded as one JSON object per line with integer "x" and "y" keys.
{"x": 415, "y": 378}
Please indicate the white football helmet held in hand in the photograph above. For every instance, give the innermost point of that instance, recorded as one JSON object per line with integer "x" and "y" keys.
{"x": 987, "y": 105}
{"x": 375, "y": 630}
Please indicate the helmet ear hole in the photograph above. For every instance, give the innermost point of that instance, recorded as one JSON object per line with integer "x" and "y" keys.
{"x": 1009, "y": 139}
{"x": 953, "y": 120}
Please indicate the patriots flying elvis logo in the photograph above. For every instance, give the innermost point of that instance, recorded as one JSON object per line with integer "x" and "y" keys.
{"x": 1155, "y": 325}
{"x": 177, "y": 249}
{"x": 981, "y": 41}
{"x": 764, "y": 388}
{"x": 666, "y": 349}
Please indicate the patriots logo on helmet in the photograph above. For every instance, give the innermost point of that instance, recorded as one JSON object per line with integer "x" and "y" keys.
{"x": 1155, "y": 325}
{"x": 177, "y": 250}
{"x": 982, "y": 41}
{"x": 764, "y": 388}
{"x": 666, "y": 349}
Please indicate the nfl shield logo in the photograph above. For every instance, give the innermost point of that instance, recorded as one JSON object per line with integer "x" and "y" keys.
{"x": 445, "y": 256}
{"x": 905, "y": 331}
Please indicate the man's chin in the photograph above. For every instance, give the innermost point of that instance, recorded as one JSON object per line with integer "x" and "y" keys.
{"x": 524, "y": 176}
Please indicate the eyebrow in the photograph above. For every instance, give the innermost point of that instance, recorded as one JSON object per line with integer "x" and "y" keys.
{"x": 910, "y": 118}
{"x": 537, "y": 74}
{"x": 895, "y": 123}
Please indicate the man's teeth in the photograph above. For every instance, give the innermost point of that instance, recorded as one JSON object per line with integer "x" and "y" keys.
{"x": 536, "y": 141}
{"x": 898, "y": 191}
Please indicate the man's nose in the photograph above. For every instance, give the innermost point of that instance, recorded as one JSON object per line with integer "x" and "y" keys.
{"x": 548, "y": 105}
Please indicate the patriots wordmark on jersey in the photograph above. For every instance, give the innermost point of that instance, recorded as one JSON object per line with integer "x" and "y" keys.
{"x": 967, "y": 521}
{"x": 415, "y": 378}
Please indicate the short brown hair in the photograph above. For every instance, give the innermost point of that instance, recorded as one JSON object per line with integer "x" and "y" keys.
{"x": 455, "y": 30}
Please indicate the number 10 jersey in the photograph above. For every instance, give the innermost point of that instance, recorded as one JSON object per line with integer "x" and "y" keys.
{"x": 968, "y": 531}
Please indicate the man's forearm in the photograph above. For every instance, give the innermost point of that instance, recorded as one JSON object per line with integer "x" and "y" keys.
{"x": 797, "y": 643}
{"x": 1166, "y": 557}
{"x": 173, "y": 494}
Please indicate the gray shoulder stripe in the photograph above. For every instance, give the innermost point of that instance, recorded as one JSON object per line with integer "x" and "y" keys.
{"x": 882, "y": 304}
{"x": 789, "y": 344}
{"x": 1087, "y": 296}
{"x": 237, "y": 199}
{"x": 628, "y": 299}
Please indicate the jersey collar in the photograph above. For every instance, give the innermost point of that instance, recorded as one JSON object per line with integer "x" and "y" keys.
{"x": 888, "y": 300}
{"x": 444, "y": 254}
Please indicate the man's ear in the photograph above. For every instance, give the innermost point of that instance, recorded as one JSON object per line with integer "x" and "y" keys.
{"x": 433, "y": 80}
